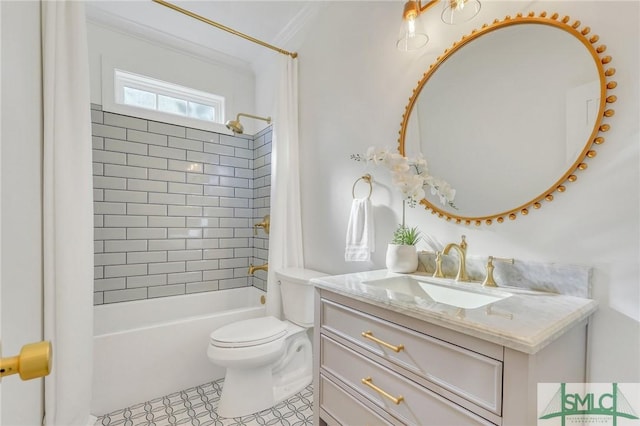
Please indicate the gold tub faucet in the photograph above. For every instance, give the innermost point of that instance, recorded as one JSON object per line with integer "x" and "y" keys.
{"x": 462, "y": 254}
{"x": 253, "y": 269}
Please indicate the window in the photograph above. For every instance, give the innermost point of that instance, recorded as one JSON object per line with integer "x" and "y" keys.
{"x": 144, "y": 92}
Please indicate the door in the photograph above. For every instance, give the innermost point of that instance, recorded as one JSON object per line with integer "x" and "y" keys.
{"x": 21, "y": 402}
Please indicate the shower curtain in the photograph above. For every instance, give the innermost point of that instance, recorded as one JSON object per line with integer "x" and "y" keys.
{"x": 68, "y": 213}
{"x": 285, "y": 238}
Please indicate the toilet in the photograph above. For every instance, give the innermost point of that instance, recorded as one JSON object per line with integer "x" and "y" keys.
{"x": 267, "y": 360}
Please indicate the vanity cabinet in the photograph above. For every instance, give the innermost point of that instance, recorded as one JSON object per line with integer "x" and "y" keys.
{"x": 373, "y": 365}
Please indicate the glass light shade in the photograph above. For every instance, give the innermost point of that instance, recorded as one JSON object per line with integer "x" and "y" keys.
{"x": 459, "y": 11}
{"x": 411, "y": 35}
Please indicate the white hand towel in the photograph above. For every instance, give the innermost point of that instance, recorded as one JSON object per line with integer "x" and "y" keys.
{"x": 360, "y": 238}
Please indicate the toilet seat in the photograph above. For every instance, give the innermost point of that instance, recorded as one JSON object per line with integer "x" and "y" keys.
{"x": 251, "y": 332}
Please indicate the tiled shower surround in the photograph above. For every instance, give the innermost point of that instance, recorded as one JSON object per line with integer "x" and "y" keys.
{"x": 175, "y": 208}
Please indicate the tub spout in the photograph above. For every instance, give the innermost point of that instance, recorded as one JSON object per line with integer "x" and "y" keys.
{"x": 253, "y": 269}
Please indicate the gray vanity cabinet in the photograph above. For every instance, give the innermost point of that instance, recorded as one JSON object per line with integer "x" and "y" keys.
{"x": 375, "y": 366}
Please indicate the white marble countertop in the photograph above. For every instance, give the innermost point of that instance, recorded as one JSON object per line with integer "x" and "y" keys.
{"x": 526, "y": 320}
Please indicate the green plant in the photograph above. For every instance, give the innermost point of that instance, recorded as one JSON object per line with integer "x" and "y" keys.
{"x": 406, "y": 236}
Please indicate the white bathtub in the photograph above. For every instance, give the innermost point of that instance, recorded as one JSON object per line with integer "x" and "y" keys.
{"x": 150, "y": 348}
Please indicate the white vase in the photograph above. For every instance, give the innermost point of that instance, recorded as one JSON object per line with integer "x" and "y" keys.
{"x": 402, "y": 258}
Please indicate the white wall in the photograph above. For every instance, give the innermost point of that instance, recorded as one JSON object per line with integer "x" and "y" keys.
{"x": 354, "y": 86}
{"x": 109, "y": 46}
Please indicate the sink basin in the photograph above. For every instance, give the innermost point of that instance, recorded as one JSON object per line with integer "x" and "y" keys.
{"x": 441, "y": 293}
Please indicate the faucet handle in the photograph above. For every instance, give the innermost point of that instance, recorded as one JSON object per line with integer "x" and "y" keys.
{"x": 438, "y": 272}
{"x": 463, "y": 243}
{"x": 489, "y": 281}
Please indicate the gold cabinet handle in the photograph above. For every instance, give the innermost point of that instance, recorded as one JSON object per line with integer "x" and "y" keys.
{"x": 34, "y": 361}
{"x": 368, "y": 381}
{"x": 369, "y": 335}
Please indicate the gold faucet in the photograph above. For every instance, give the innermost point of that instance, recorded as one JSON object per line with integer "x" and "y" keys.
{"x": 265, "y": 224}
{"x": 253, "y": 269}
{"x": 462, "y": 254}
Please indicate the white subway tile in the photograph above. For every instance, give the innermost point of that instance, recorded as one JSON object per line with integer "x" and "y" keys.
{"x": 234, "y": 263}
{"x": 184, "y": 277}
{"x": 244, "y": 173}
{"x": 233, "y": 202}
{"x": 185, "y": 211}
{"x": 98, "y": 272}
{"x": 108, "y": 131}
{"x": 184, "y": 233}
{"x": 185, "y": 188}
{"x": 234, "y": 182}
{"x": 218, "y": 212}
{"x": 100, "y": 156}
{"x": 98, "y": 195}
{"x": 182, "y": 143}
{"x": 201, "y": 265}
{"x": 238, "y": 141}
{"x": 217, "y": 254}
{"x": 242, "y": 252}
{"x": 203, "y": 157}
{"x": 166, "y": 267}
{"x": 98, "y": 298}
{"x": 125, "y": 146}
{"x": 167, "y": 129}
{"x": 106, "y": 182}
{"x": 125, "y": 121}
{"x": 234, "y": 223}
{"x": 179, "y": 255}
{"x": 102, "y": 259}
{"x": 125, "y": 295}
{"x": 185, "y": 166}
{"x": 217, "y": 274}
{"x": 166, "y": 175}
{"x": 238, "y": 212}
{"x": 144, "y": 161}
{"x": 219, "y": 191}
{"x": 98, "y": 221}
{"x": 125, "y": 246}
{"x": 116, "y": 221}
{"x": 146, "y": 209}
{"x": 125, "y": 196}
{"x": 217, "y": 233}
{"x": 213, "y": 169}
{"x": 97, "y": 142}
{"x": 109, "y": 234}
{"x": 147, "y": 257}
{"x": 125, "y": 171}
{"x": 166, "y": 290}
{"x": 109, "y": 284}
{"x": 97, "y": 116}
{"x": 244, "y": 153}
{"x": 146, "y": 233}
{"x": 233, "y": 283}
{"x": 109, "y": 208}
{"x": 196, "y": 244}
{"x": 164, "y": 152}
{"x": 203, "y": 179}
{"x": 198, "y": 200}
{"x": 166, "y": 222}
{"x": 146, "y": 281}
{"x": 158, "y": 198}
{"x": 202, "y": 135}
{"x": 144, "y": 137}
{"x": 201, "y": 287}
{"x": 125, "y": 270}
{"x": 98, "y": 169}
{"x": 98, "y": 246}
{"x": 215, "y": 148}
{"x": 167, "y": 244}
{"x": 202, "y": 222}
{"x": 233, "y": 242}
{"x": 243, "y": 193}
{"x": 146, "y": 185}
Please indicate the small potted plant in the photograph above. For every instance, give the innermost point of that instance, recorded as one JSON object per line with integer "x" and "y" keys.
{"x": 402, "y": 255}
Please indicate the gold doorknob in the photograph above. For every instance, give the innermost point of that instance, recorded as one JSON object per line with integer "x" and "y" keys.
{"x": 34, "y": 361}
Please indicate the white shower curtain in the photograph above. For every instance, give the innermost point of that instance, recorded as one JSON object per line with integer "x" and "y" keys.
{"x": 285, "y": 238}
{"x": 68, "y": 213}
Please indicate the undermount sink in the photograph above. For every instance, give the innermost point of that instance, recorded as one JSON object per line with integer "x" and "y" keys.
{"x": 441, "y": 293}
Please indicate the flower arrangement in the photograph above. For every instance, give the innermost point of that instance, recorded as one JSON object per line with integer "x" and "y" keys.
{"x": 410, "y": 175}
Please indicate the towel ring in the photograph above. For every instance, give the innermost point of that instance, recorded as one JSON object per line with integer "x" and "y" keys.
{"x": 366, "y": 178}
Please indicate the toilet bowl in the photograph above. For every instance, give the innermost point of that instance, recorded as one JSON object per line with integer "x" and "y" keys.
{"x": 267, "y": 359}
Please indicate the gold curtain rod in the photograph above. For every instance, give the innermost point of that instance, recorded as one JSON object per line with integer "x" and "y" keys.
{"x": 225, "y": 28}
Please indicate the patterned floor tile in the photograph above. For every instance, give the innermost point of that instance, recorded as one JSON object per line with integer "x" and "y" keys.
{"x": 197, "y": 407}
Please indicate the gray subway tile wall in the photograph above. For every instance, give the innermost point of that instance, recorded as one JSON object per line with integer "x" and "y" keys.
{"x": 175, "y": 207}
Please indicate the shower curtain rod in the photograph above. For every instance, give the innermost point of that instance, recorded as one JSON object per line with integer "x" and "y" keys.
{"x": 224, "y": 28}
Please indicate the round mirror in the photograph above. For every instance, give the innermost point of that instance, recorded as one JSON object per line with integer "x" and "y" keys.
{"x": 508, "y": 114}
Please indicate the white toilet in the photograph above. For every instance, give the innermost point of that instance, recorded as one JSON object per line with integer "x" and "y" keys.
{"x": 267, "y": 360}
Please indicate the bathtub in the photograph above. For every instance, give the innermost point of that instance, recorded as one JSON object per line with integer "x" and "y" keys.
{"x": 150, "y": 348}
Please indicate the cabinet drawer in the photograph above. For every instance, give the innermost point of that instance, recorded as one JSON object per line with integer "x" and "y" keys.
{"x": 470, "y": 375}
{"x": 416, "y": 405}
{"x": 343, "y": 408}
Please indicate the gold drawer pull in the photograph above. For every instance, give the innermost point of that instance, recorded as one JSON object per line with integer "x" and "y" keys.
{"x": 369, "y": 335}
{"x": 369, "y": 382}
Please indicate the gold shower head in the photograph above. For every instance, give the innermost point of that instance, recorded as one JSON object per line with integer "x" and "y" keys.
{"x": 236, "y": 127}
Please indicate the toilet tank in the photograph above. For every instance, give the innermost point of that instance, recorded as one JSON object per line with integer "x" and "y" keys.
{"x": 297, "y": 294}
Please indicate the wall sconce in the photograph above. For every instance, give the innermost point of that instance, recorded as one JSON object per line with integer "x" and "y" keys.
{"x": 237, "y": 127}
{"x": 412, "y": 35}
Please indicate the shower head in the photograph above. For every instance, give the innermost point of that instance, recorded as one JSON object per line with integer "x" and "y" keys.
{"x": 236, "y": 127}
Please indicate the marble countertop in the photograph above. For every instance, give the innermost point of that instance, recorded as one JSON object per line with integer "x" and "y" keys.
{"x": 526, "y": 320}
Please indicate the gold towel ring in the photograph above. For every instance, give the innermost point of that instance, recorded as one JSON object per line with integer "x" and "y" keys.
{"x": 366, "y": 178}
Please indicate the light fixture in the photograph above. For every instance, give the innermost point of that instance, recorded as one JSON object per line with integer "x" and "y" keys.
{"x": 237, "y": 127}
{"x": 412, "y": 35}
